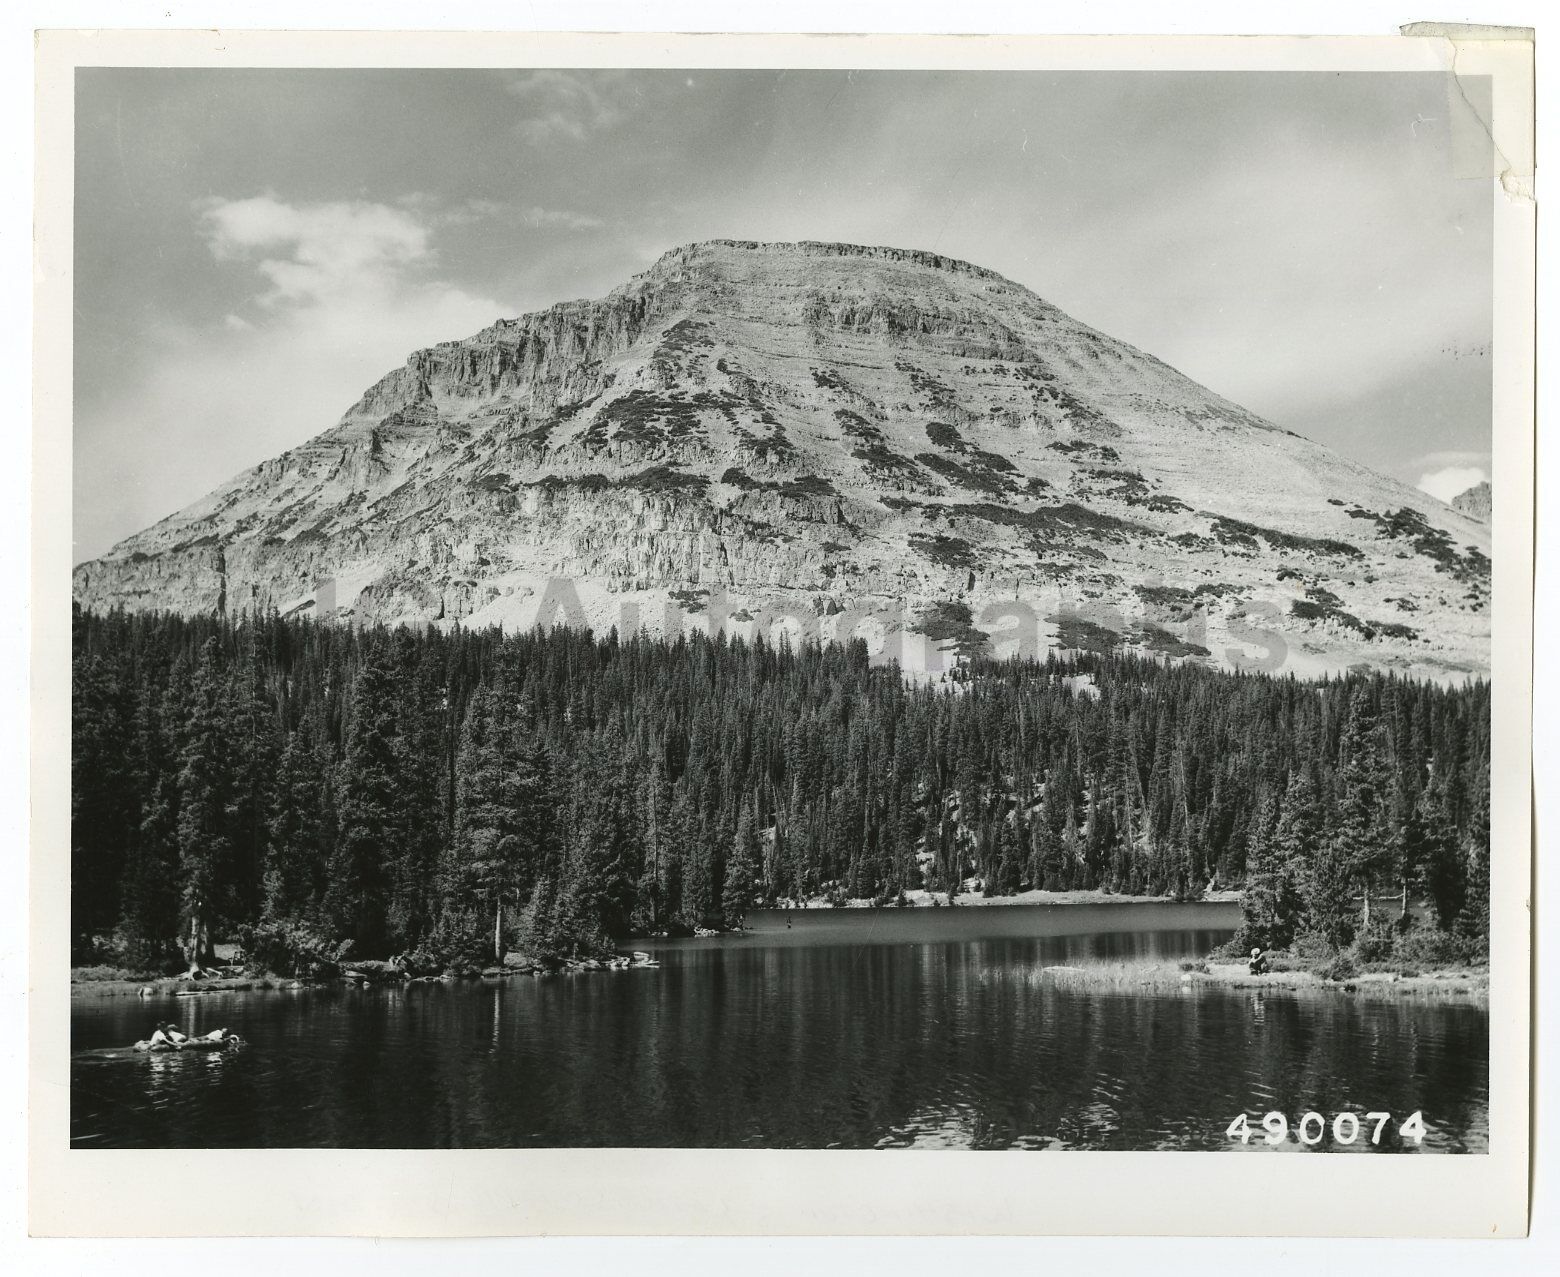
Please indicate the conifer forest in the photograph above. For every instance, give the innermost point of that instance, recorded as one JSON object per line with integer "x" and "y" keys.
{"x": 307, "y": 790}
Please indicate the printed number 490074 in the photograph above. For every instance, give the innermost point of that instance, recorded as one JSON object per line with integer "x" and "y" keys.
{"x": 1347, "y": 1128}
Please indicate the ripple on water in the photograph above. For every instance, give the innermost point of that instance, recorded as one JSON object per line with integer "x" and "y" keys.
{"x": 805, "y": 1043}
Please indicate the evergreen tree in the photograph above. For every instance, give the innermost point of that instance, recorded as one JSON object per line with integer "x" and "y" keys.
{"x": 368, "y": 791}
{"x": 296, "y": 845}
{"x": 150, "y": 902}
{"x": 741, "y": 870}
{"x": 102, "y": 802}
{"x": 1360, "y": 840}
{"x": 1473, "y": 919}
{"x": 1272, "y": 906}
{"x": 480, "y": 867}
{"x": 202, "y": 823}
{"x": 1306, "y": 849}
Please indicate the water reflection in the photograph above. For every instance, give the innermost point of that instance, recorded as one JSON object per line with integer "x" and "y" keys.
{"x": 792, "y": 1040}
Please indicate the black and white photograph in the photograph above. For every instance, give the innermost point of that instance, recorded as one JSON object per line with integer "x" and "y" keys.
{"x": 672, "y": 606}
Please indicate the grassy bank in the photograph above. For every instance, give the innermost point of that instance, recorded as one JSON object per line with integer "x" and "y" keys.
{"x": 1468, "y": 983}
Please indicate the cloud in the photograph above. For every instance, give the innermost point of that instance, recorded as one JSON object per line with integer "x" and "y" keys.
{"x": 568, "y": 104}
{"x": 319, "y": 250}
{"x": 340, "y": 280}
{"x": 561, "y": 218}
{"x": 340, "y": 294}
{"x": 1455, "y": 457}
{"x": 468, "y": 212}
{"x": 1451, "y": 481}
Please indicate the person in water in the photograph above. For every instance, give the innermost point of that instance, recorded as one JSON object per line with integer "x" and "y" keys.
{"x": 1259, "y": 963}
{"x": 167, "y": 1035}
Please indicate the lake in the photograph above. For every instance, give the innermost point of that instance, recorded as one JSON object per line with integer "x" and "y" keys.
{"x": 849, "y": 1028}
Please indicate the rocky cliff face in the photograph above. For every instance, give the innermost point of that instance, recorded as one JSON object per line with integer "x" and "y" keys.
{"x": 895, "y": 442}
{"x": 1474, "y": 502}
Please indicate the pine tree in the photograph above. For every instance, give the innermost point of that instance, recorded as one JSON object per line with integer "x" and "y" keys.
{"x": 530, "y": 796}
{"x": 1432, "y": 846}
{"x": 254, "y": 748}
{"x": 296, "y": 846}
{"x": 1305, "y": 848}
{"x": 104, "y": 798}
{"x": 1272, "y": 906}
{"x": 479, "y": 869}
{"x": 741, "y": 870}
{"x": 150, "y": 899}
{"x": 202, "y": 824}
{"x": 1360, "y": 841}
{"x": 368, "y": 791}
{"x": 1473, "y": 919}
{"x": 424, "y": 816}
{"x": 1072, "y": 852}
{"x": 1005, "y": 875}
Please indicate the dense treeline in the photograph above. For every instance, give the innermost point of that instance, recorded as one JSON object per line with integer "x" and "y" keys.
{"x": 299, "y": 786}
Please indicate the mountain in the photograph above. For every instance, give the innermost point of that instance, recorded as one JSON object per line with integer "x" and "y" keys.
{"x": 1475, "y": 502}
{"x": 830, "y": 430}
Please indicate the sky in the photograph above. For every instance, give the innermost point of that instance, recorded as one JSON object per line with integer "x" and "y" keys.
{"x": 254, "y": 248}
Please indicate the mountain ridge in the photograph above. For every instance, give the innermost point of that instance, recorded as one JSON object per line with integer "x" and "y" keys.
{"x": 839, "y": 428}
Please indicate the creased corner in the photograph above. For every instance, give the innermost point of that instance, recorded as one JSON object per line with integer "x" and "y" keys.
{"x": 1489, "y": 100}
{"x": 1467, "y": 31}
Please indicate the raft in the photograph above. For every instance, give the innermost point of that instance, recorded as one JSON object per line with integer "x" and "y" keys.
{"x": 231, "y": 1042}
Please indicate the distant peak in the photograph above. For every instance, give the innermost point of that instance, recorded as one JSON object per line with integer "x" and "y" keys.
{"x": 1474, "y": 502}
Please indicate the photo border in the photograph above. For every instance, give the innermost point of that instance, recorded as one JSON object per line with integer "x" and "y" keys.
{"x": 739, "y": 1192}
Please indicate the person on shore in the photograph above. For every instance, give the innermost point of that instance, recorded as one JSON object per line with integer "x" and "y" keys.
{"x": 1259, "y": 963}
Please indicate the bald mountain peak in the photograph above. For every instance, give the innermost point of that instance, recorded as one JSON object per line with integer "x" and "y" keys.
{"x": 746, "y": 430}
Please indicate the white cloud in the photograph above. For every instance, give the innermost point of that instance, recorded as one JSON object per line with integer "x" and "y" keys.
{"x": 568, "y": 104}
{"x": 318, "y": 250}
{"x": 1451, "y": 481}
{"x": 1456, "y": 457}
{"x": 342, "y": 294}
{"x": 561, "y": 218}
{"x": 468, "y": 212}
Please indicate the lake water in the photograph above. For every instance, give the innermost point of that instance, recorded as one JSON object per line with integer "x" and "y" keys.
{"x": 850, "y": 1028}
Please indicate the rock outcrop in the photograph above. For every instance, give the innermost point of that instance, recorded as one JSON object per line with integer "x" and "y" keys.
{"x": 747, "y": 431}
{"x": 1474, "y": 502}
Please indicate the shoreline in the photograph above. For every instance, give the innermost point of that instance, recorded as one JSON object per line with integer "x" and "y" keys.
{"x": 182, "y": 986}
{"x": 1468, "y": 983}
{"x": 1465, "y": 983}
{"x": 922, "y": 899}
{"x": 368, "y": 974}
